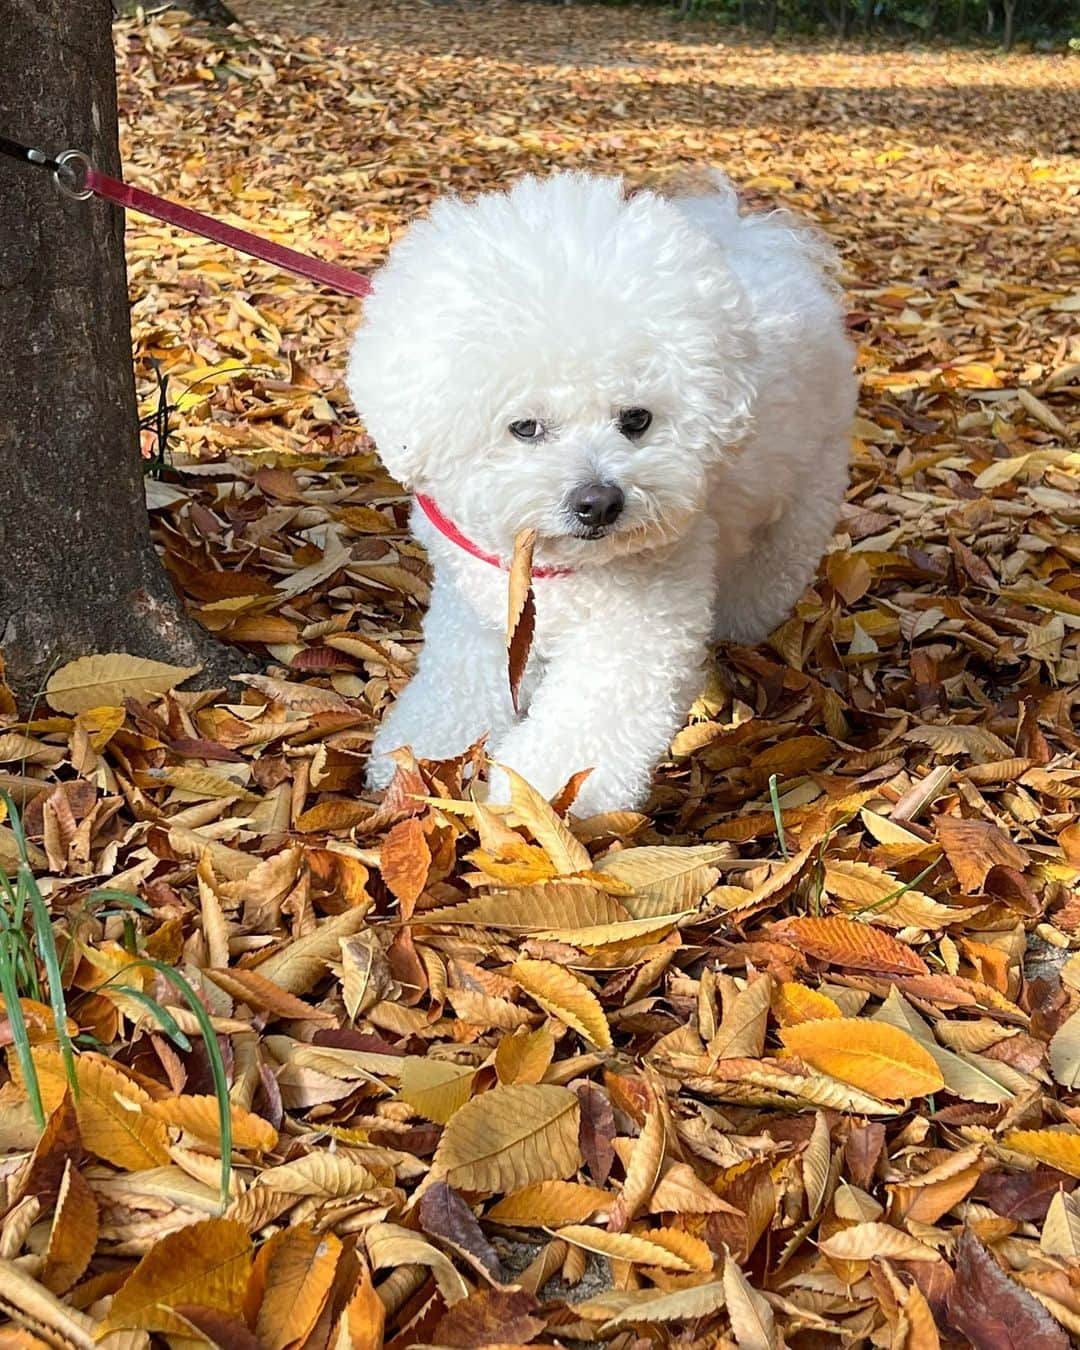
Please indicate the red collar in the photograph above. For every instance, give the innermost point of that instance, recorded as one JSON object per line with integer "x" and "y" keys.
{"x": 447, "y": 528}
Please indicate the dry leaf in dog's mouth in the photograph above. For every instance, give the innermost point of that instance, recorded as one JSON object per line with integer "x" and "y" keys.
{"x": 520, "y": 611}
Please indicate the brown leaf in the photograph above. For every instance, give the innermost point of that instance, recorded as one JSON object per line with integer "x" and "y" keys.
{"x": 444, "y": 1215}
{"x": 74, "y": 1233}
{"x": 992, "y": 1310}
{"x": 973, "y": 847}
{"x": 490, "y": 1317}
{"x": 520, "y": 612}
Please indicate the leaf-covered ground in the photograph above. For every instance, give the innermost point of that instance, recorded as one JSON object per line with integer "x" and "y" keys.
{"x": 680, "y": 1078}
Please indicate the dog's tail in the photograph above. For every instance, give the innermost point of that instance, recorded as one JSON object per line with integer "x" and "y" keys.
{"x": 709, "y": 201}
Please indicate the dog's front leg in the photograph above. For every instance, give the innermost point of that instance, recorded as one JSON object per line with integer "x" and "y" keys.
{"x": 458, "y": 694}
{"x": 614, "y": 692}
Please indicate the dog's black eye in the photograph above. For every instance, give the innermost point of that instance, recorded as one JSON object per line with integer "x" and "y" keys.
{"x": 634, "y": 421}
{"x": 528, "y": 429}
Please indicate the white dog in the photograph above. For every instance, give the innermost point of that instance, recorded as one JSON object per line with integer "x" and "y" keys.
{"x": 662, "y": 388}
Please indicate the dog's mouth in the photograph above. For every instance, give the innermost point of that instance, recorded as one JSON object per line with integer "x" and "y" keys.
{"x": 591, "y": 531}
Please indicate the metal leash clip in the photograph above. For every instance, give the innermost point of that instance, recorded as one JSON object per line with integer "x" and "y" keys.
{"x": 71, "y": 175}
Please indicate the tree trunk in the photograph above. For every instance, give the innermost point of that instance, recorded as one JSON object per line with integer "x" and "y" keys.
{"x": 868, "y": 17}
{"x": 1009, "y": 8}
{"x": 79, "y": 573}
{"x": 770, "y": 17}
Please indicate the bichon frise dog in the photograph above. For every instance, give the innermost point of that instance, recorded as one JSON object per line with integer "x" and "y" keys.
{"x": 662, "y": 389}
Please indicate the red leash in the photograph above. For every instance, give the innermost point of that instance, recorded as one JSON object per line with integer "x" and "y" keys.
{"x": 329, "y": 274}
{"x": 75, "y": 176}
{"x": 446, "y": 527}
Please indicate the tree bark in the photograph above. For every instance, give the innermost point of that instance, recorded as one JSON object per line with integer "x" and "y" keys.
{"x": 79, "y": 573}
{"x": 1009, "y": 8}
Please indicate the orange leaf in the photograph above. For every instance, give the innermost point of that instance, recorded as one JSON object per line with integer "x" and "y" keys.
{"x": 844, "y": 942}
{"x": 404, "y": 861}
{"x": 74, "y": 1233}
{"x": 794, "y": 1003}
{"x": 299, "y": 1273}
{"x": 206, "y": 1263}
{"x": 199, "y": 1116}
{"x": 109, "y": 1110}
{"x": 872, "y": 1056}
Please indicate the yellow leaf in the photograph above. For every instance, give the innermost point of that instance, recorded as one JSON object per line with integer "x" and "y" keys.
{"x": 872, "y": 1056}
{"x": 434, "y": 1087}
{"x": 666, "y": 880}
{"x": 560, "y": 905}
{"x": 752, "y": 1322}
{"x": 637, "y": 1248}
{"x": 870, "y": 1241}
{"x": 96, "y": 681}
{"x": 207, "y": 1263}
{"x": 524, "y": 1056}
{"x": 643, "y": 1169}
{"x": 696, "y": 1252}
{"x": 562, "y": 994}
{"x": 649, "y": 1309}
{"x": 198, "y": 1115}
{"x": 101, "y": 724}
{"x": 112, "y": 1122}
{"x": 299, "y": 1273}
{"x": 1055, "y": 1148}
{"x": 1061, "y": 1228}
{"x": 568, "y": 855}
{"x": 741, "y": 1034}
{"x": 320, "y": 1174}
{"x": 304, "y": 961}
{"x": 549, "y": 1204}
{"x": 606, "y": 934}
{"x": 389, "y": 1245}
{"x": 508, "y": 1138}
{"x": 254, "y": 989}
{"x": 198, "y": 381}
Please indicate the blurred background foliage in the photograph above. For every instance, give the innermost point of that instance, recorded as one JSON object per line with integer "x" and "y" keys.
{"x": 1005, "y": 23}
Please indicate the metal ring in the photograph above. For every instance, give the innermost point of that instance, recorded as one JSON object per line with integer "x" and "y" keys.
{"x": 70, "y": 175}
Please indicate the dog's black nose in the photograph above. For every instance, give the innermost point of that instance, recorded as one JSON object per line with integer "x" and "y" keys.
{"x": 596, "y": 504}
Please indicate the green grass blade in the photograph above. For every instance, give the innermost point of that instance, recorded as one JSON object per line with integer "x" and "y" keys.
{"x": 158, "y": 1012}
{"x": 46, "y": 944}
{"x": 213, "y": 1054}
{"x": 103, "y": 895}
{"x": 28, "y": 894}
{"x": 774, "y": 797}
{"x": 895, "y": 895}
{"x": 19, "y": 1034}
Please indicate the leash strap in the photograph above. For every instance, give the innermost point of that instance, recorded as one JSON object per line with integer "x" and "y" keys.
{"x": 77, "y": 178}
{"x": 449, "y": 530}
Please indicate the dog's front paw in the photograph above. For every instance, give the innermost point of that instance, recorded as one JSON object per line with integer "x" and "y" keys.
{"x": 379, "y": 773}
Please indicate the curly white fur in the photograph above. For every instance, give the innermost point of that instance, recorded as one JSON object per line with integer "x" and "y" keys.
{"x": 565, "y": 302}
